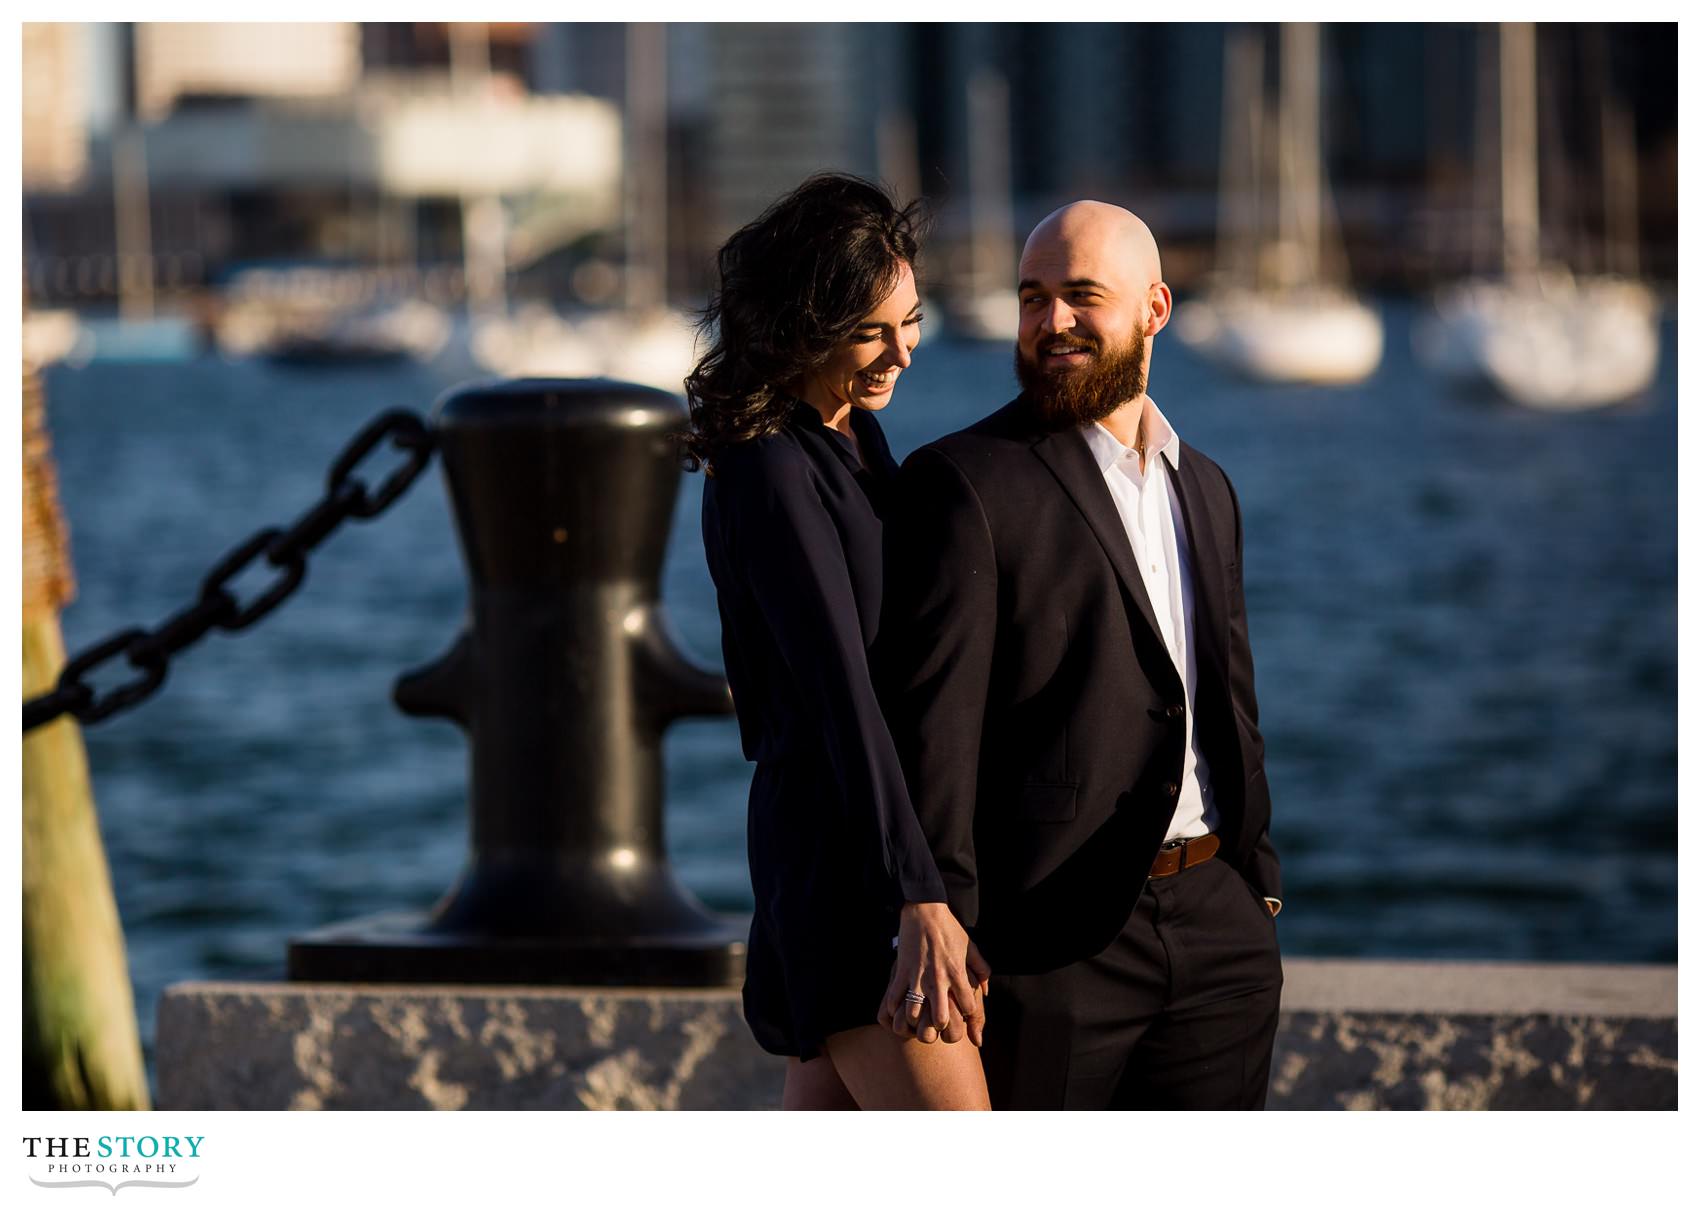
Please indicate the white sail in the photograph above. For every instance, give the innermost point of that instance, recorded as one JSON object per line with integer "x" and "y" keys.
{"x": 645, "y": 341}
{"x": 1541, "y": 336}
{"x": 1277, "y": 319}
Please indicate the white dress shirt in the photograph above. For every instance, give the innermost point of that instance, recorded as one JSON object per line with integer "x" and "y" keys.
{"x": 1151, "y": 515}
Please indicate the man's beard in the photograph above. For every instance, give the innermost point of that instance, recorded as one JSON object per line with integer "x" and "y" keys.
{"x": 1071, "y": 399}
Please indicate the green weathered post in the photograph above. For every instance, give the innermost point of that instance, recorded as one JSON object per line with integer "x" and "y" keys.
{"x": 81, "y": 1048}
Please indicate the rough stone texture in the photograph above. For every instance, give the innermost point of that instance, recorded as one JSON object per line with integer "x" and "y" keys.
{"x": 237, "y": 1046}
{"x": 1376, "y": 1035}
{"x": 1433, "y": 1062}
{"x": 1356, "y": 1035}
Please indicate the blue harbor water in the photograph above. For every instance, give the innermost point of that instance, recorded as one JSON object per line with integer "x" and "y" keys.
{"x": 1463, "y": 614}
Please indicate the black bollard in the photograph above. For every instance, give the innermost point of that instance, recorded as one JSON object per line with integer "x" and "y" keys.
{"x": 564, "y": 682}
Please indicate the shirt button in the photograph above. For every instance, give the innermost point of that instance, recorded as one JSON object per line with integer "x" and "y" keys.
{"x": 1171, "y": 789}
{"x": 1176, "y": 711}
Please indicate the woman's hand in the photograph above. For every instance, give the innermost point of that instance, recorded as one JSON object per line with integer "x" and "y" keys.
{"x": 936, "y": 958}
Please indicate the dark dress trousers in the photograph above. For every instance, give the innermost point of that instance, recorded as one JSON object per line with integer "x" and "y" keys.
{"x": 1041, "y": 723}
{"x": 791, "y": 526}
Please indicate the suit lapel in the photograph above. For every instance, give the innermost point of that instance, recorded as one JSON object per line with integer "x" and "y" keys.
{"x": 1065, "y": 452}
{"x": 1209, "y": 562}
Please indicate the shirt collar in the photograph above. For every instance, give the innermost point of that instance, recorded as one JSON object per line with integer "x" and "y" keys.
{"x": 1160, "y": 436}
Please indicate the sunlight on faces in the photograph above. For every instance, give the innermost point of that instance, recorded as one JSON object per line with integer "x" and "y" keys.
{"x": 1090, "y": 293}
{"x": 863, "y": 370}
{"x": 1091, "y": 384}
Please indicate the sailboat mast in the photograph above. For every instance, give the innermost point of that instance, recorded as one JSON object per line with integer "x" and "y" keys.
{"x": 1301, "y": 158}
{"x": 134, "y": 226}
{"x": 646, "y": 165}
{"x": 990, "y": 213}
{"x": 1519, "y": 153}
{"x": 1301, "y": 119}
{"x": 1237, "y": 196}
{"x": 484, "y": 225}
{"x": 131, "y": 202}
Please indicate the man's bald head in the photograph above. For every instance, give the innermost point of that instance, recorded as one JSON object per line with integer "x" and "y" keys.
{"x": 1092, "y": 296}
{"x": 1102, "y": 233}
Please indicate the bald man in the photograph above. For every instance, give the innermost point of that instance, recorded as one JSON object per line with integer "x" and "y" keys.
{"x": 1069, "y": 682}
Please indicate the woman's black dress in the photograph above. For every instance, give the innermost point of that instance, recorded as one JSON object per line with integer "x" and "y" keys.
{"x": 791, "y": 526}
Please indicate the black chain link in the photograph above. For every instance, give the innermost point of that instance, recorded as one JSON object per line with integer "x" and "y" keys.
{"x": 149, "y": 653}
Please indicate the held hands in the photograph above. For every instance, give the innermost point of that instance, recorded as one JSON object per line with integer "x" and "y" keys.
{"x": 936, "y": 958}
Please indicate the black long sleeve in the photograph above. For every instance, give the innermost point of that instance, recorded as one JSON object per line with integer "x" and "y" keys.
{"x": 936, "y": 658}
{"x": 796, "y": 644}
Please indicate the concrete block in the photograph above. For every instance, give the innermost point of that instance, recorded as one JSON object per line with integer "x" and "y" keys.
{"x": 289, "y": 1046}
{"x": 1380, "y": 1035}
{"x": 1355, "y": 1035}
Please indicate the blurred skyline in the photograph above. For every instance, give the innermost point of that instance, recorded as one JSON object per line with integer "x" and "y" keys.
{"x": 1466, "y": 630}
{"x": 603, "y": 160}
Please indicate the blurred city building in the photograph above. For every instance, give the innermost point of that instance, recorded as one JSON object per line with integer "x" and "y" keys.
{"x": 228, "y": 146}
{"x": 577, "y": 159}
{"x": 197, "y": 60}
{"x": 55, "y": 99}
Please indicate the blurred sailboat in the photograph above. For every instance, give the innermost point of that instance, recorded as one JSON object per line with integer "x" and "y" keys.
{"x": 309, "y": 315}
{"x": 1276, "y": 314}
{"x": 140, "y": 332}
{"x": 654, "y": 346}
{"x": 645, "y": 341}
{"x": 1540, "y": 335}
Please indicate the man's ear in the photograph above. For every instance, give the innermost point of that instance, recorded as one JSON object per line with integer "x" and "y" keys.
{"x": 1161, "y": 305}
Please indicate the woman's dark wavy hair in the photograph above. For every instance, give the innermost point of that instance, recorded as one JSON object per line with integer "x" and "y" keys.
{"x": 793, "y": 284}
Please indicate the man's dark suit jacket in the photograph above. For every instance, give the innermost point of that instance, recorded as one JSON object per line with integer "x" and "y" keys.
{"x": 1034, "y": 705}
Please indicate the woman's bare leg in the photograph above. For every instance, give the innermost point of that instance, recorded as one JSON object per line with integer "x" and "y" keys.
{"x": 883, "y": 1072}
{"x": 814, "y": 1085}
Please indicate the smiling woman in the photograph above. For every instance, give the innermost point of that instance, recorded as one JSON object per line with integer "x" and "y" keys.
{"x": 860, "y": 372}
{"x": 816, "y": 300}
{"x": 815, "y": 318}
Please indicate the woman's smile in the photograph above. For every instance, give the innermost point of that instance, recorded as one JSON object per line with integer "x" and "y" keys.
{"x": 863, "y": 370}
{"x": 878, "y": 382}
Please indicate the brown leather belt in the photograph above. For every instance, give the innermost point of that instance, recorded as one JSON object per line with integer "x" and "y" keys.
{"x": 1182, "y": 853}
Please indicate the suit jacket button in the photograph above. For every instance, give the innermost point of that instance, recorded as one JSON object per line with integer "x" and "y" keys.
{"x": 1176, "y": 711}
{"x": 1172, "y": 789}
